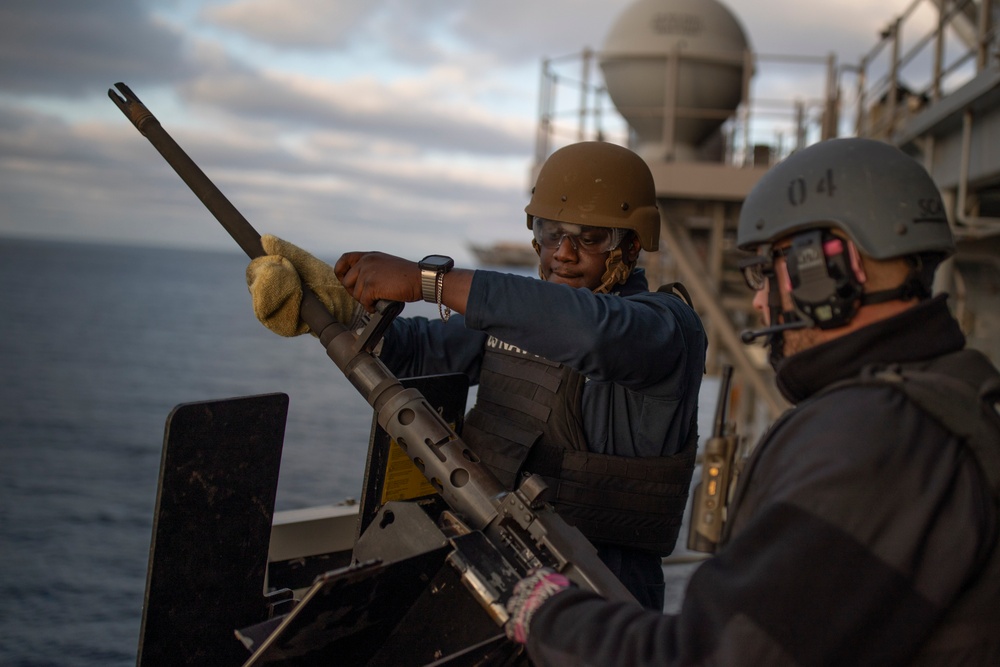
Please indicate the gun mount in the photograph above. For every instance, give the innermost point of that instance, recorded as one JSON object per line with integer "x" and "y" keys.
{"x": 411, "y": 572}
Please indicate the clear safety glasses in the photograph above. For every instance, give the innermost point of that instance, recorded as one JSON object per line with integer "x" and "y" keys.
{"x": 757, "y": 269}
{"x": 587, "y": 240}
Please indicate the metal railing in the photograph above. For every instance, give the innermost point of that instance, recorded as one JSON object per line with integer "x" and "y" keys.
{"x": 574, "y": 106}
{"x": 952, "y": 41}
{"x": 925, "y": 53}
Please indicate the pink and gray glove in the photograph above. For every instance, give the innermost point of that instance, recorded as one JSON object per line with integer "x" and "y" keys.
{"x": 529, "y": 594}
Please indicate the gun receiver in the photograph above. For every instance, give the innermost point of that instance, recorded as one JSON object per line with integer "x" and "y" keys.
{"x": 711, "y": 495}
{"x": 519, "y": 524}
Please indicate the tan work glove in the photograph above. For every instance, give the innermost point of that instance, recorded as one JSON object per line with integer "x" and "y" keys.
{"x": 275, "y": 283}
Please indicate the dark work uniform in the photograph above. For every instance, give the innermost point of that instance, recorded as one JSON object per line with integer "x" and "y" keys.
{"x": 597, "y": 393}
{"x": 863, "y": 532}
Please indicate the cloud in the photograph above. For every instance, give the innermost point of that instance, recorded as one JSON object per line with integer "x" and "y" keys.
{"x": 510, "y": 33}
{"x": 386, "y": 124}
{"x": 521, "y": 32}
{"x": 396, "y": 112}
{"x": 72, "y": 48}
{"x": 295, "y": 24}
{"x": 527, "y": 31}
{"x": 103, "y": 182}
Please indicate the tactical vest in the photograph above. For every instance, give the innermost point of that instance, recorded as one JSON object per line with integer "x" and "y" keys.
{"x": 960, "y": 391}
{"x": 527, "y": 420}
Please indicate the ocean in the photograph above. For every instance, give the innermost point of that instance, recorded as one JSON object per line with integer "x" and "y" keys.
{"x": 98, "y": 343}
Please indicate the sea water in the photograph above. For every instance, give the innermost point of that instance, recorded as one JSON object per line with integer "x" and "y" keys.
{"x": 98, "y": 343}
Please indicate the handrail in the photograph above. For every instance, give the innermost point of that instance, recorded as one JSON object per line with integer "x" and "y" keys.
{"x": 574, "y": 105}
{"x": 878, "y": 113}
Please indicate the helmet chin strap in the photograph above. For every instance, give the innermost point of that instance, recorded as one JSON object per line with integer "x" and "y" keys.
{"x": 781, "y": 321}
{"x": 616, "y": 271}
{"x": 794, "y": 319}
{"x": 828, "y": 298}
{"x": 538, "y": 251}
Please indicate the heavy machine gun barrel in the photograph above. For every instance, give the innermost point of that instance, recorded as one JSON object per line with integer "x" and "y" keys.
{"x": 518, "y": 523}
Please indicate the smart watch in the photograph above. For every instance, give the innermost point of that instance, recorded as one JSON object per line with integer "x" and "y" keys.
{"x": 432, "y": 270}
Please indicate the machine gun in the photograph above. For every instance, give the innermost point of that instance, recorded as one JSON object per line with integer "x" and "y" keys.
{"x": 711, "y": 494}
{"x": 489, "y": 537}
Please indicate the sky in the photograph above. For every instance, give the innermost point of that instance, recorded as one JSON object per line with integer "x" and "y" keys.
{"x": 406, "y": 126}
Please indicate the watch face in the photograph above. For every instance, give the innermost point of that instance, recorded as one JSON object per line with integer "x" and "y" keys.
{"x": 436, "y": 262}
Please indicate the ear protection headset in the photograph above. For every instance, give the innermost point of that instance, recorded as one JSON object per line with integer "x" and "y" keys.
{"x": 826, "y": 277}
{"x": 823, "y": 275}
{"x": 880, "y": 198}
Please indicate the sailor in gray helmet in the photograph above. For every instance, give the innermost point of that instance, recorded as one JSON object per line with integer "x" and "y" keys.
{"x": 586, "y": 377}
{"x": 864, "y": 527}
{"x": 834, "y": 209}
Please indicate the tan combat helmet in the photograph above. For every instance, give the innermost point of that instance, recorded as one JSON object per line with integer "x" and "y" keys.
{"x": 598, "y": 184}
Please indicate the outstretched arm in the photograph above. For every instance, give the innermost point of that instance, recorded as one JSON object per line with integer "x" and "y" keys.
{"x": 372, "y": 276}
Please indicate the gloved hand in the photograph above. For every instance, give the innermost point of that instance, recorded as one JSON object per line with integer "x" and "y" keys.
{"x": 528, "y": 596}
{"x": 275, "y": 283}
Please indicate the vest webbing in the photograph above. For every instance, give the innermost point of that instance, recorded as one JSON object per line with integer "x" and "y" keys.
{"x": 527, "y": 420}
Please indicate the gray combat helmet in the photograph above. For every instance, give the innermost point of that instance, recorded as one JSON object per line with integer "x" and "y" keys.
{"x": 872, "y": 191}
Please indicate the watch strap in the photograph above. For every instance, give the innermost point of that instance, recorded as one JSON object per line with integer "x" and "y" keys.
{"x": 428, "y": 284}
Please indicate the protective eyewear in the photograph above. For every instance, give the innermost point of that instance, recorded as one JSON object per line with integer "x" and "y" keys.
{"x": 587, "y": 240}
{"x": 757, "y": 269}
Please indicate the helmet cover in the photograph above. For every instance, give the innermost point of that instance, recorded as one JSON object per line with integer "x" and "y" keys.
{"x": 597, "y": 184}
{"x": 879, "y": 196}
